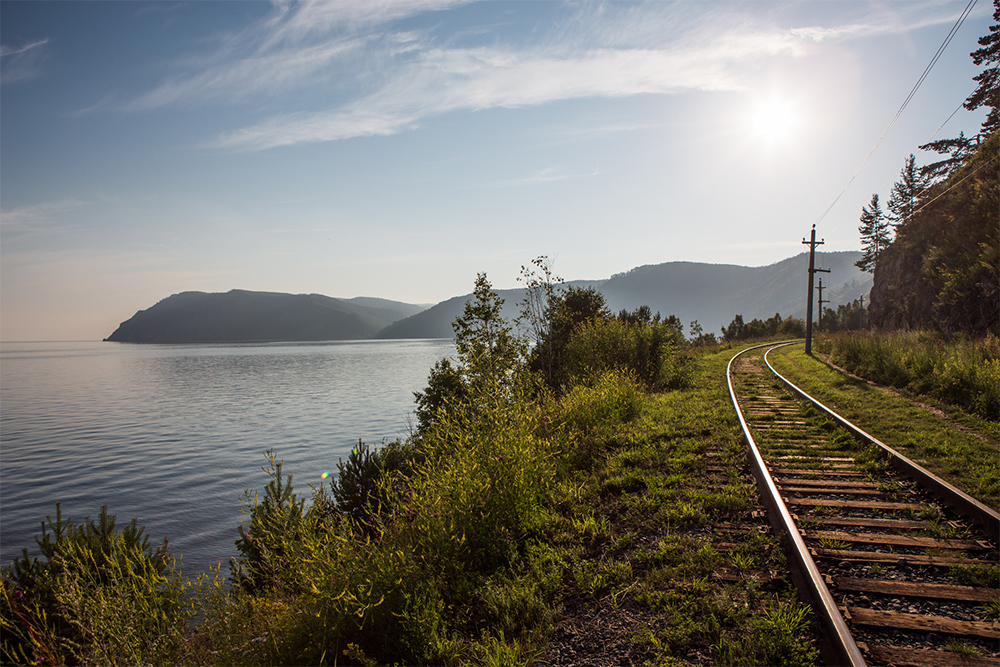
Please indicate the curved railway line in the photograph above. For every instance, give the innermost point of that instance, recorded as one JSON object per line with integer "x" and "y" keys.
{"x": 899, "y": 566}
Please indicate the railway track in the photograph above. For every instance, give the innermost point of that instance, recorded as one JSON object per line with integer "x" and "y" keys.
{"x": 900, "y": 567}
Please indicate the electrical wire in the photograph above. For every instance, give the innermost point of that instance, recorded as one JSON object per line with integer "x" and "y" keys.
{"x": 928, "y": 185}
{"x": 956, "y": 184}
{"x": 954, "y": 29}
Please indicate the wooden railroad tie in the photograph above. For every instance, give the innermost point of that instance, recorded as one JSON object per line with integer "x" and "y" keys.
{"x": 922, "y": 623}
{"x": 921, "y": 657}
{"x": 913, "y": 589}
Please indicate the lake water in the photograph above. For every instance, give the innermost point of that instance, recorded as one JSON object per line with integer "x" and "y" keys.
{"x": 173, "y": 434}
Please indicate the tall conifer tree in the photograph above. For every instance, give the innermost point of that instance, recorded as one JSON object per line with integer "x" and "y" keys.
{"x": 988, "y": 92}
{"x": 906, "y": 193}
{"x": 874, "y": 231}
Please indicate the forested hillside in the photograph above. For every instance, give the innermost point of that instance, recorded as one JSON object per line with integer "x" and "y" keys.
{"x": 942, "y": 271}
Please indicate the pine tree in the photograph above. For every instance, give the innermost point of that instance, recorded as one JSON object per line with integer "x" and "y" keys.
{"x": 874, "y": 231}
{"x": 958, "y": 151}
{"x": 988, "y": 91}
{"x": 906, "y": 193}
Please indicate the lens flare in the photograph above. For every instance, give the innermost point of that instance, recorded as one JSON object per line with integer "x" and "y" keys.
{"x": 325, "y": 475}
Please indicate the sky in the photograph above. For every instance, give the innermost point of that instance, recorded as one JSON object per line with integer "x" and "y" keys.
{"x": 396, "y": 148}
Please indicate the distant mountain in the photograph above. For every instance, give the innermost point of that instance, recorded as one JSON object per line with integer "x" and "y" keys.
{"x": 710, "y": 293}
{"x": 435, "y": 322}
{"x": 714, "y": 293}
{"x": 242, "y": 316}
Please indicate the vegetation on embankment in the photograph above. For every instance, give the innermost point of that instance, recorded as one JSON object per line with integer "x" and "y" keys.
{"x": 962, "y": 372}
{"x": 960, "y": 447}
{"x": 516, "y": 508}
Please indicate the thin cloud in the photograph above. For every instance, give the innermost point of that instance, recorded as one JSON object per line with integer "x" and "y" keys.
{"x": 35, "y": 218}
{"x": 444, "y": 80}
{"x": 400, "y": 78}
{"x": 267, "y": 73}
{"x": 547, "y": 175}
{"x": 22, "y": 64}
{"x": 293, "y": 47}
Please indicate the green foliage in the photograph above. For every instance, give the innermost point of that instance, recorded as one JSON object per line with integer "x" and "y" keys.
{"x": 987, "y": 92}
{"x": 366, "y": 486}
{"x": 848, "y": 317}
{"x": 567, "y": 310}
{"x": 984, "y": 576}
{"x": 595, "y": 411}
{"x": 538, "y": 311}
{"x": 962, "y": 372}
{"x": 648, "y": 350}
{"x": 606, "y": 401}
{"x": 490, "y": 352}
{"x": 958, "y": 150}
{"x": 875, "y": 235}
{"x": 98, "y": 596}
{"x": 444, "y": 387}
{"x": 698, "y": 335}
{"x": 490, "y": 358}
{"x": 774, "y": 638}
{"x": 943, "y": 269}
{"x": 791, "y": 327}
{"x": 907, "y": 193}
{"x": 268, "y": 540}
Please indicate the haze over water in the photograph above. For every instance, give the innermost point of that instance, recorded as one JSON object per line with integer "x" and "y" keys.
{"x": 173, "y": 434}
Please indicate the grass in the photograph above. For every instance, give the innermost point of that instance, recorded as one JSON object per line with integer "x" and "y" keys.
{"x": 652, "y": 483}
{"x": 967, "y": 457}
{"x": 961, "y": 372}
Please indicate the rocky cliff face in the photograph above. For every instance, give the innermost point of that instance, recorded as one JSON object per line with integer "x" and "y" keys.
{"x": 943, "y": 269}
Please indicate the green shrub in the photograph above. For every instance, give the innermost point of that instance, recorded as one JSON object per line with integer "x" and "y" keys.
{"x": 650, "y": 351}
{"x": 99, "y": 595}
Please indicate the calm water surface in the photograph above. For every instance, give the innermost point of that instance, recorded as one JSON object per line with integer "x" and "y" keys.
{"x": 173, "y": 434}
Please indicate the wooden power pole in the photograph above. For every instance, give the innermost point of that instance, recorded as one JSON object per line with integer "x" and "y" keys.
{"x": 820, "y": 302}
{"x": 812, "y": 243}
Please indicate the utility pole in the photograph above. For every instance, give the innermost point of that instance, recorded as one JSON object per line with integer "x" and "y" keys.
{"x": 812, "y": 243}
{"x": 820, "y": 301}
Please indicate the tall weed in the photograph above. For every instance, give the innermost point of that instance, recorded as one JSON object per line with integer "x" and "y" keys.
{"x": 963, "y": 372}
{"x": 650, "y": 351}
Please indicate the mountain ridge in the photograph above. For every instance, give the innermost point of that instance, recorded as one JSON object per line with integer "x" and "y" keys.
{"x": 239, "y": 316}
{"x": 710, "y": 293}
{"x": 689, "y": 290}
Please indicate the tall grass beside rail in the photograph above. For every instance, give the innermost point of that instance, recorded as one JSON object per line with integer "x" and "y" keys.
{"x": 962, "y": 372}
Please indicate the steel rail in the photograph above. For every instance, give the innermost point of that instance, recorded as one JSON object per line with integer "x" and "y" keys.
{"x": 955, "y": 498}
{"x": 840, "y": 646}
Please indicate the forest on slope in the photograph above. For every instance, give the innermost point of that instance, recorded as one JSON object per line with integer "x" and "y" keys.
{"x": 942, "y": 270}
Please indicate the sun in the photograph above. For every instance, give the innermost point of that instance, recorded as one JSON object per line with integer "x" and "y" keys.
{"x": 773, "y": 121}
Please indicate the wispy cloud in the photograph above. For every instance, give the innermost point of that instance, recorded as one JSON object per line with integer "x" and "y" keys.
{"x": 35, "y": 218}
{"x": 547, "y": 175}
{"x": 22, "y": 63}
{"x": 443, "y": 80}
{"x": 296, "y": 45}
{"x": 268, "y": 73}
{"x": 369, "y": 78}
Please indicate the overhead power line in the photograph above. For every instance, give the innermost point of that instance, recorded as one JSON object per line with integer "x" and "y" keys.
{"x": 947, "y": 40}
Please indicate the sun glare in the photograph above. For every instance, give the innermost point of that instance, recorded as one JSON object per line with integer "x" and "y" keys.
{"x": 773, "y": 121}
